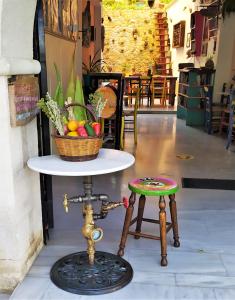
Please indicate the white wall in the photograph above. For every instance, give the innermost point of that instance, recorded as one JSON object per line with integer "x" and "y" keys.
{"x": 224, "y": 58}
{"x": 225, "y": 68}
{"x": 20, "y": 205}
{"x": 17, "y": 57}
{"x": 59, "y": 51}
{"x": 180, "y": 10}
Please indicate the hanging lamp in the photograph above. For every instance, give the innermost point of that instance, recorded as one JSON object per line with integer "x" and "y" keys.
{"x": 151, "y": 3}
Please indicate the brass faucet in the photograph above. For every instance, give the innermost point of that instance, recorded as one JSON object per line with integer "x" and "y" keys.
{"x": 66, "y": 203}
{"x": 91, "y": 232}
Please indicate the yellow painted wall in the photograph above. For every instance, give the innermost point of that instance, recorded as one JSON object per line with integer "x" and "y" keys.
{"x": 124, "y": 53}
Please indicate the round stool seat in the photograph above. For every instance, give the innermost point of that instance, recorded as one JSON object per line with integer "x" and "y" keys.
{"x": 153, "y": 186}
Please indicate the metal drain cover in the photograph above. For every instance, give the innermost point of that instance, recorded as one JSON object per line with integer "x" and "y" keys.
{"x": 74, "y": 274}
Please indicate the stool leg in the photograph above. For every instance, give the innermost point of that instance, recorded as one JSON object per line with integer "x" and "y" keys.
{"x": 162, "y": 219}
{"x": 128, "y": 217}
{"x": 173, "y": 211}
{"x": 142, "y": 200}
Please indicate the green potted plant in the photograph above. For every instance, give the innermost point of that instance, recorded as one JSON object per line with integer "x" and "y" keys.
{"x": 210, "y": 63}
{"x": 95, "y": 64}
{"x": 228, "y": 7}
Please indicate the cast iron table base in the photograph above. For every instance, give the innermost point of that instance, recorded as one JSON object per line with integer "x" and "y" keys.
{"x": 74, "y": 274}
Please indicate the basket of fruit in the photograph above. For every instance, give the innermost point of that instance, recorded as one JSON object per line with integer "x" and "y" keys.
{"x": 81, "y": 140}
{"x": 75, "y": 139}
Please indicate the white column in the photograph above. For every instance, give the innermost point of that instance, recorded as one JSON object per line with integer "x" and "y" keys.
{"x": 20, "y": 206}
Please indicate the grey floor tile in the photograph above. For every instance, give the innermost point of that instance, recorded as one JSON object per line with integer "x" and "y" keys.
{"x": 194, "y": 293}
{"x": 31, "y": 288}
{"x": 4, "y": 296}
{"x": 54, "y": 293}
{"x": 178, "y": 262}
{"x": 138, "y": 291}
{"x": 154, "y": 278}
{"x": 39, "y": 271}
{"x": 205, "y": 281}
{"x": 229, "y": 263}
{"x": 225, "y": 294}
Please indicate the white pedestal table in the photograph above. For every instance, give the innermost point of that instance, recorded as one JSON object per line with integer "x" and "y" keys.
{"x": 89, "y": 273}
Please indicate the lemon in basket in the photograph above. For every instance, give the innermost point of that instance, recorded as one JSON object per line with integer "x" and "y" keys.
{"x": 72, "y": 125}
{"x": 73, "y": 133}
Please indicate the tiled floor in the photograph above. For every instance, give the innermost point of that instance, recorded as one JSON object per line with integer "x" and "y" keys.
{"x": 202, "y": 268}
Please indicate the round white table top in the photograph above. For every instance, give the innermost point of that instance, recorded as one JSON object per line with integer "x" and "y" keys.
{"x": 108, "y": 161}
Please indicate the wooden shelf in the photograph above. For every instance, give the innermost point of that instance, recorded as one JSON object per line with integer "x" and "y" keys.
{"x": 186, "y": 96}
{"x": 195, "y": 86}
{"x": 212, "y": 3}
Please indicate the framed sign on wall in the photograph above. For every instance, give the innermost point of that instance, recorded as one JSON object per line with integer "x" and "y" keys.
{"x": 178, "y": 34}
{"x": 23, "y": 95}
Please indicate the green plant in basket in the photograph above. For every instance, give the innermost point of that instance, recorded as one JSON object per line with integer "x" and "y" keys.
{"x": 52, "y": 111}
{"x": 67, "y": 111}
{"x": 98, "y": 103}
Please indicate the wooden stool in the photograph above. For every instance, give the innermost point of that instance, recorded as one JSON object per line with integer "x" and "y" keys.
{"x": 152, "y": 187}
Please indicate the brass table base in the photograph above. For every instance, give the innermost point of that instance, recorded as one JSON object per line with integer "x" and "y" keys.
{"x": 73, "y": 273}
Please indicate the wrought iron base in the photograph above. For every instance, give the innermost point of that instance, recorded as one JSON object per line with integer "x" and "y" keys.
{"x": 74, "y": 274}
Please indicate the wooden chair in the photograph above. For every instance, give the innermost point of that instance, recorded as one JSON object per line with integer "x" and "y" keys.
{"x": 145, "y": 84}
{"x": 159, "y": 89}
{"x": 132, "y": 85}
{"x": 213, "y": 111}
{"x": 225, "y": 99}
{"x": 231, "y": 125}
{"x": 129, "y": 121}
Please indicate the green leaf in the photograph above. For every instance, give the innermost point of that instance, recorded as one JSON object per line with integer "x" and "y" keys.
{"x": 79, "y": 112}
{"x": 58, "y": 96}
{"x": 71, "y": 85}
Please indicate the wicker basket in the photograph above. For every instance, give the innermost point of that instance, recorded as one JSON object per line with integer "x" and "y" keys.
{"x": 78, "y": 148}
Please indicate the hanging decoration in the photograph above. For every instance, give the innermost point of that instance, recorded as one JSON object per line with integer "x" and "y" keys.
{"x": 151, "y": 3}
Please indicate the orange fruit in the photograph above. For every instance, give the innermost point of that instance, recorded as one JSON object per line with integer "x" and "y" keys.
{"x": 72, "y": 125}
{"x": 73, "y": 133}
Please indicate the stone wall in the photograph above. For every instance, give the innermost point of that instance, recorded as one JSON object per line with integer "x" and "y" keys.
{"x": 130, "y": 44}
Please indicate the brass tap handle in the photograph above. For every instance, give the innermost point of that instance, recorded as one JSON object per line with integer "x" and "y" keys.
{"x": 111, "y": 205}
{"x": 66, "y": 203}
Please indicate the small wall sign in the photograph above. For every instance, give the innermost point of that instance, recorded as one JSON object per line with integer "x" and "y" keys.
{"x": 23, "y": 96}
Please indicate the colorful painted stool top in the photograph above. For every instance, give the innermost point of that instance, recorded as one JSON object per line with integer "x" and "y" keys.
{"x": 153, "y": 186}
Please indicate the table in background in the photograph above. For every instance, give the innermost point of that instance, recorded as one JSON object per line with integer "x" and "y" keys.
{"x": 90, "y": 272}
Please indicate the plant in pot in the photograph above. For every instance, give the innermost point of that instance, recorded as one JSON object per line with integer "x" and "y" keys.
{"x": 228, "y": 7}
{"x": 210, "y": 63}
{"x": 95, "y": 64}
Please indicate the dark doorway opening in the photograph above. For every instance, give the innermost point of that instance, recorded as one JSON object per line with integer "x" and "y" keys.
{"x": 44, "y": 147}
